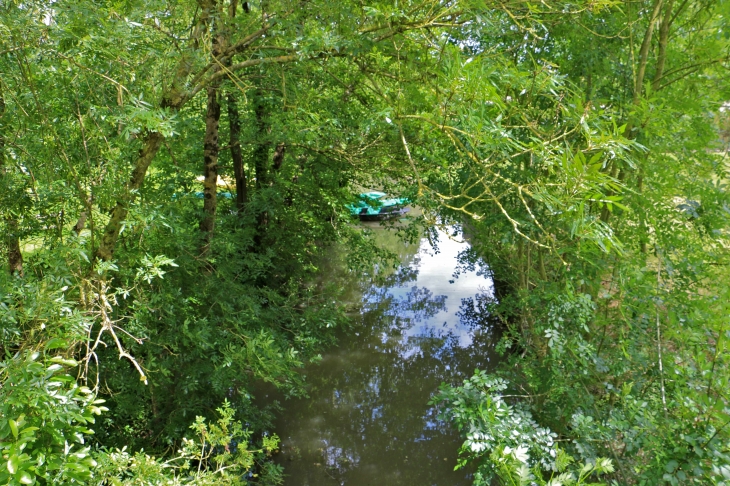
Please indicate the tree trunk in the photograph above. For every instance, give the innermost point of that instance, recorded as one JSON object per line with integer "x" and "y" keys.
{"x": 174, "y": 97}
{"x": 12, "y": 240}
{"x": 210, "y": 168}
{"x": 261, "y": 164}
{"x": 541, "y": 263}
{"x": 234, "y": 121}
{"x": 81, "y": 222}
{"x": 15, "y": 257}
{"x": 655, "y": 85}
{"x": 279, "y": 156}
{"x": 644, "y": 51}
{"x": 152, "y": 143}
{"x": 663, "y": 42}
{"x": 638, "y": 87}
{"x": 641, "y": 68}
{"x": 210, "y": 143}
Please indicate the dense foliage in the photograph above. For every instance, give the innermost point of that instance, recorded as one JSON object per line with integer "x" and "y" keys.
{"x": 173, "y": 173}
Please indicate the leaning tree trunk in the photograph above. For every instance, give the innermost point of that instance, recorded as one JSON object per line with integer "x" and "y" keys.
{"x": 12, "y": 241}
{"x": 644, "y": 51}
{"x": 173, "y": 99}
{"x": 152, "y": 143}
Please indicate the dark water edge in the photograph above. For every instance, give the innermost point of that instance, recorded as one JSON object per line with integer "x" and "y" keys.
{"x": 367, "y": 420}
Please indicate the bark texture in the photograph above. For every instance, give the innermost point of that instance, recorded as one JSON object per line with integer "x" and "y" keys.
{"x": 279, "y": 156}
{"x": 152, "y": 143}
{"x": 11, "y": 238}
{"x": 644, "y": 51}
{"x": 211, "y": 147}
{"x": 663, "y": 42}
{"x": 210, "y": 163}
{"x": 15, "y": 257}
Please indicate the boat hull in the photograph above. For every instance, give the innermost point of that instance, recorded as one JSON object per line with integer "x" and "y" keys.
{"x": 383, "y": 215}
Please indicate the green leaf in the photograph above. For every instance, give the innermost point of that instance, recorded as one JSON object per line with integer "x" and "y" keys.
{"x": 64, "y": 361}
{"x": 56, "y": 343}
{"x": 13, "y": 427}
{"x": 28, "y": 431}
{"x": 13, "y": 463}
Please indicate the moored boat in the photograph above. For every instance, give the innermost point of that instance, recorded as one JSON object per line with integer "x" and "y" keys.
{"x": 376, "y": 206}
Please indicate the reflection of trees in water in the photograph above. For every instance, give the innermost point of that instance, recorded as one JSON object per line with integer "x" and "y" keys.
{"x": 397, "y": 278}
{"x": 417, "y": 305}
{"x": 376, "y": 398}
{"x": 406, "y": 252}
{"x": 474, "y": 311}
{"x": 335, "y": 457}
{"x": 367, "y": 420}
{"x": 469, "y": 261}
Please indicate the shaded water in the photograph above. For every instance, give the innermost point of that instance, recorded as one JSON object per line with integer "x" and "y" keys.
{"x": 367, "y": 420}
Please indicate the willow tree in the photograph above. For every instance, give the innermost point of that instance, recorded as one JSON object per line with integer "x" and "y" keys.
{"x": 614, "y": 294}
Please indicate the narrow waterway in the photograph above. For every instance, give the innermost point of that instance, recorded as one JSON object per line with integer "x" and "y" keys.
{"x": 367, "y": 420}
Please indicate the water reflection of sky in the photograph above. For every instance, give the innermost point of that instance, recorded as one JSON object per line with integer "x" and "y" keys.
{"x": 367, "y": 420}
{"x": 430, "y": 292}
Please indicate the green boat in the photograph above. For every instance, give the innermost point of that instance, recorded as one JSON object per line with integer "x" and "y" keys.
{"x": 376, "y": 206}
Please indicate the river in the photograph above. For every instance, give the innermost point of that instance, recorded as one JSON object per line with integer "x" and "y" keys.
{"x": 367, "y": 420}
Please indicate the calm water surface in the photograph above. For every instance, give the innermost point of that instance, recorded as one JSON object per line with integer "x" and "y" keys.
{"x": 367, "y": 420}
